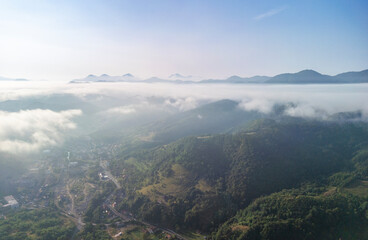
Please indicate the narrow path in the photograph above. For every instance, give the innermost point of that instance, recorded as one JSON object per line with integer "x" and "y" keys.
{"x": 72, "y": 211}
{"x": 129, "y": 218}
{"x": 78, "y": 218}
{"x": 103, "y": 164}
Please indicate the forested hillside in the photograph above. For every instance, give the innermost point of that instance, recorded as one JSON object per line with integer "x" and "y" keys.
{"x": 200, "y": 182}
{"x": 295, "y": 214}
{"x": 40, "y": 224}
{"x": 332, "y": 208}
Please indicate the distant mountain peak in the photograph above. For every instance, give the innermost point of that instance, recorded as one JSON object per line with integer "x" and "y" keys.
{"x": 234, "y": 77}
{"x": 309, "y": 72}
{"x": 307, "y": 76}
{"x": 178, "y": 75}
{"x": 175, "y": 75}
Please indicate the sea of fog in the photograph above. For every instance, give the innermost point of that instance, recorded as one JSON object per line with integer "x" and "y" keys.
{"x": 309, "y": 99}
{"x": 32, "y": 129}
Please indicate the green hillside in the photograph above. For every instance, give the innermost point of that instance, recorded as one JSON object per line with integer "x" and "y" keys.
{"x": 40, "y": 224}
{"x": 199, "y": 182}
{"x": 334, "y": 209}
{"x": 296, "y": 215}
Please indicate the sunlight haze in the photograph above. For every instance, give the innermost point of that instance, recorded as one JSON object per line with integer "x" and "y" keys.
{"x": 64, "y": 40}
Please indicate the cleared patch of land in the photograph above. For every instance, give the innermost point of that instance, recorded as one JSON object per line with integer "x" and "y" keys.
{"x": 359, "y": 188}
{"x": 241, "y": 228}
{"x": 176, "y": 185}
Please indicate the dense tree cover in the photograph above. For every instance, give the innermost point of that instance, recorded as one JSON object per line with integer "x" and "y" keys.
{"x": 36, "y": 225}
{"x": 289, "y": 215}
{"x": 91, "y": 232}
{"x": 268, "y": 157}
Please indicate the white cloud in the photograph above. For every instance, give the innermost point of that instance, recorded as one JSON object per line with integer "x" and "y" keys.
{"x": 30, "y": 130}
{"x": 182, "y": 104}
{"x": 306, "y": 110}
{"x": 269, "y": 13}
{"x": 122, "y": 110}
{"x": 261, "y": 105}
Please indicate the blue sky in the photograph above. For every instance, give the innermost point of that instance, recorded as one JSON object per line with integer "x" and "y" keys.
{"x": 62, "y": 40}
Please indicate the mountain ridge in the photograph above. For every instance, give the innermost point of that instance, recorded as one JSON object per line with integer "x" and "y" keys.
{"x": 307, "y": 76}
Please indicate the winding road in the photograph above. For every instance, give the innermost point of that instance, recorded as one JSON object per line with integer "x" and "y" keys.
{"x": 127, "y": 218}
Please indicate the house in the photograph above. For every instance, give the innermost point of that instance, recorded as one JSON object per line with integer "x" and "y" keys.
{"x": 103, "y": 176}
{"x": 11, "y": 202}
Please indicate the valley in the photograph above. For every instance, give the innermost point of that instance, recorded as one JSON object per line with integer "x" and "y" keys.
{"x": 190, "y": 187}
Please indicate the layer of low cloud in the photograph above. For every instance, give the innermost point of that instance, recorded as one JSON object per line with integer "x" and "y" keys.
{"x": 31, "y": 130}
{"x": 319, "y": 101}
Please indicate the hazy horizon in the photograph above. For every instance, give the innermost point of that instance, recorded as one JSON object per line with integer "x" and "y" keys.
{"x": 173, "y": 77}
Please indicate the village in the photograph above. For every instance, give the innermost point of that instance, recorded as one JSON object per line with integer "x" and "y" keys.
{"x": 69, "y": 180}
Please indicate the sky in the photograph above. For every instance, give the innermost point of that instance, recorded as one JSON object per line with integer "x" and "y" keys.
{"x": 64, "y": 40}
